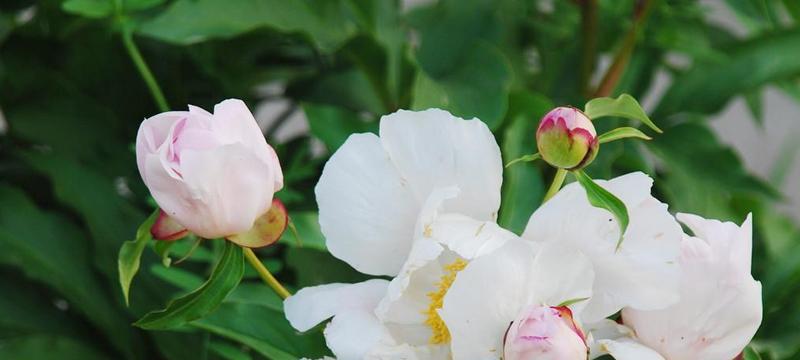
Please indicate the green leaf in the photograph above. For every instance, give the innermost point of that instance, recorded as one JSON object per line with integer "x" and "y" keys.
{"x": 523, "y": 187}
{"x": 755, "y": 104}
{"x": 307, "y": 224}
{"x": 43, "y": 346}
{"x": 524, "y": 158}
{"x": 333, "y": 124}
{"x": 228, "y": 352}
{"x": 708, "y": 86}
{"x": 187, "y": 22}
{"x": 96, "y": 9}
{"x": 131, "y": 252}
{"x": 475, "y": 87}
{"x": 624, "y": 106}
{"x": 226, "y": 275}
{"x": 262, "y": 329}
{"x": 603, "y": 199}
{"x": 622, "y": 133}
{"x": 315, "y": 267}
{"x": 162, "y": 248}
{"x": 750, "y": 354}
{"x": 572, "y": 301}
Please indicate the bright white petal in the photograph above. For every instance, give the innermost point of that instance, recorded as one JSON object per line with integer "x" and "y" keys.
{"x": 433, "y": 149}
{"x": 491, "y": 291}
{"x": 353, "y": 333}
{"x": 647, "y": 256}
{"x": 626, "y": 349}
{"x": 313, "y": 305}
{"x": 372, "y": 190}
{"x": 366, "y": 209}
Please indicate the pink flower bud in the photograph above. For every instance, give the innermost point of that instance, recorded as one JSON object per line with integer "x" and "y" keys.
{"x": 214, "y": 174}
{"x": 545, "y": 333}
{"x": 566, "y": 138}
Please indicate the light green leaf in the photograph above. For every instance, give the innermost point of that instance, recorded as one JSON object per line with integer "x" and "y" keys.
{"x": 130, "y": 254}
{"x": 162, "y": 248}
{"x": 524, "y": 158}
{"x": 624, "y": 106}
{"x": 603, "y": 199}
{"x": 622, "y": 133}
{"x": 572, "y": 301}
{"x": 226, "y": 275}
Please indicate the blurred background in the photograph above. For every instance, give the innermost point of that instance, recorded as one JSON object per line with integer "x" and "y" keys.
{"x": 721, "y": 77}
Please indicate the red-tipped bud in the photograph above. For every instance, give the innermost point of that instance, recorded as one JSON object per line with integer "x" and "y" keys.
{"x": 567, "y": 139}
{"x": 267, "y": 229}
{"x": 166, "y": 228}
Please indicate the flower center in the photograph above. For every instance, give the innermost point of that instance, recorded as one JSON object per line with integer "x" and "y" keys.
{"x": 440, "y": 333}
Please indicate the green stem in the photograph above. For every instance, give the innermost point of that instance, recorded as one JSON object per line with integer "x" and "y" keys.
{"x": 558, "y": 180}
{"x": 589, "y": 43}
{"x": 623, "y": 55}
{"x": 264, "y": 273}
{"x": 144, "y": 70}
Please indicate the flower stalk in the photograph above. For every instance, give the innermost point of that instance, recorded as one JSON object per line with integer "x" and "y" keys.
{"x": 264, "y": 273}
{"x": 144, "y": 70}
{"x": 558, "y": 180}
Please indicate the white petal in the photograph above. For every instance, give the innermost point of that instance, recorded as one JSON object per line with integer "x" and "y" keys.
{"x": 433, "y": 148}
{"x": 648, "y": 254}
{"x": 720, "y": 307}
{"x": 313, "y": 305}
{"x": 353, "y": 333}
{"x": 366, "y": 209}
{"x": 626, "y": 349}
{"x": 491, "y": 291}
{"x": 372, "y": 190}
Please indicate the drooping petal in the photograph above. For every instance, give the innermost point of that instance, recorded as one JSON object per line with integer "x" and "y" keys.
{"x": 720, "y": 303}
{"x": 313, "y": 305}
{"x": 492, "y": 290}
{"x": 372, "y": 189}
{"x": 648, "y": 254}
{"x": 626, "y": 349}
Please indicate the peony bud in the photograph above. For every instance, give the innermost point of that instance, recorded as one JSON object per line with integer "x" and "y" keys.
{"x": 214, "y": 174}
{"x": 545, "y": 333}
{"x": 166, "y": 228}
{"x": 566, "y": 138}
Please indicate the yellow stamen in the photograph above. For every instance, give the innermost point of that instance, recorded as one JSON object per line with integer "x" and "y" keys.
{"x": 440, "y": 333}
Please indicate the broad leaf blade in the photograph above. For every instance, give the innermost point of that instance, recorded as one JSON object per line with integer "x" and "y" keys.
{"x": 226, "y": 275}
{"x": 130, "y": 255}
{"x": 622, "y": 133}
{"x": 603, "y": 199}
{"x": 624, "y": 106}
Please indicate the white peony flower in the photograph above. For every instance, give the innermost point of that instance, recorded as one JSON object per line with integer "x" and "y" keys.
{"x": 495, "y": 293}
{"x": 720, "y": 306}
{"x": 405, "y": 322}
{"x": 373, "y": 188}
{"x": 626, "y": 276}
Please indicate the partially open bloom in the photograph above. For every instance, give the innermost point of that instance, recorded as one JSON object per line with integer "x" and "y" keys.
{"x": 212, "y": 173}
{"x": 545, "y": 333}
{"x": 624, "y": 276}
{"x": 720, "y": 304}
{"x": 512, "y": 285}
{"x": 372, "y": 189}
{"x": 566, "y": 138}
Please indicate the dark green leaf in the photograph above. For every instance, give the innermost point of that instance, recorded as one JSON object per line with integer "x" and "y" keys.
{"x": 750, "y": 354}
{"x": 228, "y": 352}
{"x": 476, "y": 87}
{"x": 622, "y": 133}
{"x": 624, "y": 106}
{"x": 131, "y": 252}
{"x": 522, "y": 184}
{"x": 46, "y": 347}
{"x": 603, "y": 199}
{"x": 315, "y": 267}
{"x": 307, "y": 224}
{"x": 707, "y": 87}
{"x": 333, "y": 124}
{"x": 226, "y": 275}
{"x": 193, "y": 21}
{"x": 89, "y": 8}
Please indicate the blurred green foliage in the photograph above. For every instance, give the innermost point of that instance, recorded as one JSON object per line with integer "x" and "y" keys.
{"x": 70, "y": 194}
